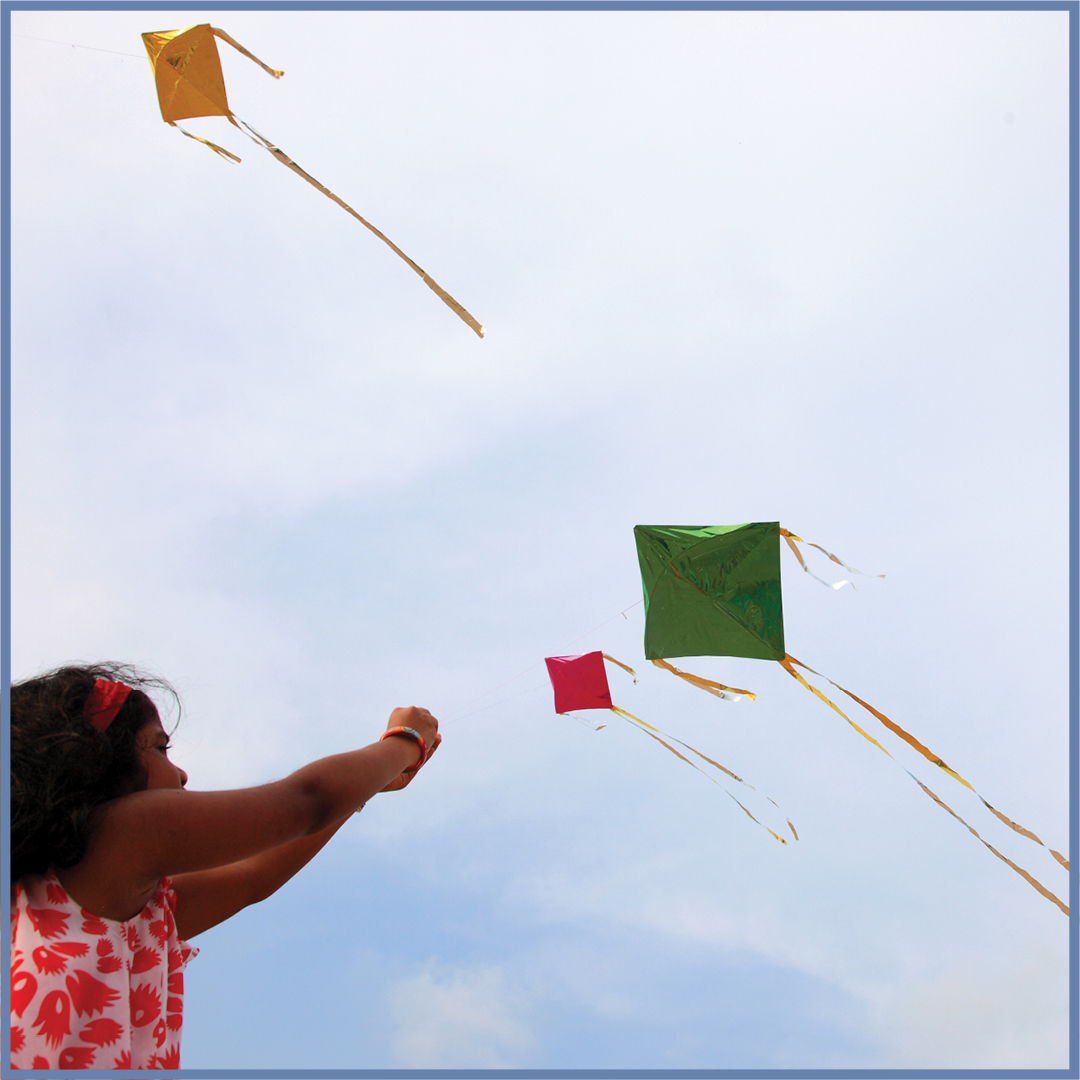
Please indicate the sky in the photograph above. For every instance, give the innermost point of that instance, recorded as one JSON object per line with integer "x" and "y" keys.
{"x": 806, "y": 267}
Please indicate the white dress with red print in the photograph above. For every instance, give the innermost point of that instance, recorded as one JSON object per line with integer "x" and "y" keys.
{"x": 92, "y": 993}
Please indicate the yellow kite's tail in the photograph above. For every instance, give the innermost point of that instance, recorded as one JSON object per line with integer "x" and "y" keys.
{"x": 428, "y": 280}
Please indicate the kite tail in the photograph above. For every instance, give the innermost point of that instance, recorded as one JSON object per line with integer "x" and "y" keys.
{"x": 240, "y": 48}
{"x": 428, "y": 280}
{"x": 716, "y": 689}
{"x": 787, "y": 663}
{"x": 206, "y": 142}
{"x": 655, "y": 733}
{"x": 1019, "y": 869}
{"x": 619, "y": 663}
{"x": 791, "y": 540}
{"x": 935, "y": 760}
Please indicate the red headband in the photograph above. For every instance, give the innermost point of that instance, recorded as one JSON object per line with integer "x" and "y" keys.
{"x": 104, "y": 702}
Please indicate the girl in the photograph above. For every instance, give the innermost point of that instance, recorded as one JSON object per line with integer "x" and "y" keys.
{"x": 115, "y": 865}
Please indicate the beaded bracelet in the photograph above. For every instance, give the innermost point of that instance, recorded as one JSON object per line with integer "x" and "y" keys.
{"x": 409, "y": 733}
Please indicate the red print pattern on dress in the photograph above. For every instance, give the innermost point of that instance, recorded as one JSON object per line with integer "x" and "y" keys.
{"x": 169, "y": 1060}
{"x": 144, "y": 960}
{"x": 54, "y": 1017}
{"x": 89, "y": 995}
{"x": 47, "y": 961}
{"x": 109, "y": 964}
{"x": 145, "y": 1005}
{"x": 72, "y": 948}
{"x": 77, "y": 1057}
{"x": 108, "y": 961}
{"x": 23, "y": 988}
{"x": 48, "y": 922}
{"x": 92, "y": 924}
{"x": 101, "y": 1032}
{"x": 74, "y": 1006}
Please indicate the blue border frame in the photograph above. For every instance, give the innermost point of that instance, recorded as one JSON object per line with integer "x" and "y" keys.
{"x": 1070, "y": 6}
{"x": 7, "y": 6}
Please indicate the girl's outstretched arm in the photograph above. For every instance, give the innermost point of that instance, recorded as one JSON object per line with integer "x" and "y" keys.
{"x": 143, "y": 837}
{"x": 208, "y": 897}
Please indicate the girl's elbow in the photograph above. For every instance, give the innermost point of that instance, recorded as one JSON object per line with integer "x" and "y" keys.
{"x": 315, "y": 808}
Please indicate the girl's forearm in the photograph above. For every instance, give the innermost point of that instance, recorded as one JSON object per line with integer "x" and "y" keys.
{"x": 337, "y": 785}
{"x": 209, "y": 897}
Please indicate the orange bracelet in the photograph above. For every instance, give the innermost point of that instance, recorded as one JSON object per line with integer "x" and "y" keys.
{"x": 409, "y": 733}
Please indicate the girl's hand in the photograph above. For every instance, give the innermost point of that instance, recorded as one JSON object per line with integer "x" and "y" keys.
{"x": 422, "y": 722}
{"x": 418, "y": 719}
{"x": 406, "y": 778}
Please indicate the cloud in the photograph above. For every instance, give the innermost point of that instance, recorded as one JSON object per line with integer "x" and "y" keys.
{"x": 461, "y": 1018}
{"x": 1010, "y": 1015}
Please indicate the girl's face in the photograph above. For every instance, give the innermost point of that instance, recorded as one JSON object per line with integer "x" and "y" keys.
{"x": 154, "y": 757}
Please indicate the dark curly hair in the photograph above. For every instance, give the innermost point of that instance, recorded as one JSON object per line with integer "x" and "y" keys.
{"x": 63, "y": 769}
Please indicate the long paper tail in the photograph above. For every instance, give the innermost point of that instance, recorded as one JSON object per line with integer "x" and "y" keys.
{"x": 619, "y": 663}
{"x": 656, "y": 733}
{"x": 220, "y": 150}
{"x": 791, "y": 540}
{"x": 1038, "y": 886}
{"x": 715, "y": 688}
{"x": 428, "y": 280}
{"x": 240, "y": 48}
{"x": 933, "y": 759}
{"x": 787, "y": 664}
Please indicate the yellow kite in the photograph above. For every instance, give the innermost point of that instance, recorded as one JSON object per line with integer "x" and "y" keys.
{"x": 187, "y": 71}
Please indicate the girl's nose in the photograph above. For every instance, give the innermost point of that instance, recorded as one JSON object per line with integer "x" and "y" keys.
{"x": 183, "y": 778}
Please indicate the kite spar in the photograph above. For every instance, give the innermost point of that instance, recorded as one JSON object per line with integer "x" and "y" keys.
{"x": 187, "y": 72}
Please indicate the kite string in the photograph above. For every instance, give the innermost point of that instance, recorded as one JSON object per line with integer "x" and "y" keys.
{"x": 91, "y": 48}
{"x": 493, "y": 690}
{"x": 606, "y": 621}
{"x": 483, "y": 708}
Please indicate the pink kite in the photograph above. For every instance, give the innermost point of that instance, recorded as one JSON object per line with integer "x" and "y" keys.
{"x": 580, "y": 682}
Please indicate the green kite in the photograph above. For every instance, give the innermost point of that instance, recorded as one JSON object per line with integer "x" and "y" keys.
{"x": 715, "y": 591}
